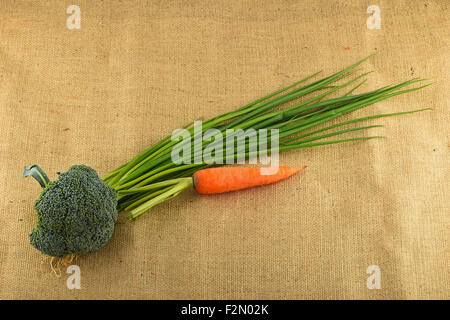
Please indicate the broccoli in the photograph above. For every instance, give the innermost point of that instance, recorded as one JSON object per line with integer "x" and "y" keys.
{"x": 76, "y": 213}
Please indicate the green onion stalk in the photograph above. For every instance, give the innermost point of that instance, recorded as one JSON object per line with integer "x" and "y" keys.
{"x": 152, "y": 177}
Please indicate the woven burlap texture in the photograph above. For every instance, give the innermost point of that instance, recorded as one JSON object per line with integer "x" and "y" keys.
{"x": 137, "y": 70}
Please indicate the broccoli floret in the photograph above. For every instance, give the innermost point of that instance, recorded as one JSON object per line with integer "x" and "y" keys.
{"x": 76, "y": 213}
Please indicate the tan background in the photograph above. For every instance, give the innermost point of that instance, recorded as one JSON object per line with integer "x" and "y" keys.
{"x": 137, "y": 70}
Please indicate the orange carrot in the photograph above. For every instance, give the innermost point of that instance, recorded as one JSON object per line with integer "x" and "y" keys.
{"x": 224, "y": 179}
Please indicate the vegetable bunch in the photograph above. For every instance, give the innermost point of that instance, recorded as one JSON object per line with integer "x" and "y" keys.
{"x": 151, "y": 177}
{"x": 77, "y": 212}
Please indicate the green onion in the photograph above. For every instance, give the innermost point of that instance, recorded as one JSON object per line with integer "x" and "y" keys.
{"x": 151, "y": 177}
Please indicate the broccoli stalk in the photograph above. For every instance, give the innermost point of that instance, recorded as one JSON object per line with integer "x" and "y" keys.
{"x": 76, "y": 213}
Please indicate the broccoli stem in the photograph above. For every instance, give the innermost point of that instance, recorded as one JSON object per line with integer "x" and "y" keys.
{"x": 36, "y": 172}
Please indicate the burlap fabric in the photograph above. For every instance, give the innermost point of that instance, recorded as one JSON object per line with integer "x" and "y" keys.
{"x": 136, "y": 70}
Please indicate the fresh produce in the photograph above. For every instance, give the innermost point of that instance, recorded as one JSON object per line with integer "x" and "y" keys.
{"x": 87, "y": 206}
{"x": 76, "y": 213}
{"x": 225, "y": 179}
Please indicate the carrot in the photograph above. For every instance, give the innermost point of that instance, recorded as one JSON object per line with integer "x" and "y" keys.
{"x": 224, "y": 179}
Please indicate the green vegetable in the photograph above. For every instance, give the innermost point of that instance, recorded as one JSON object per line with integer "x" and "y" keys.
{"x": 76, "y": 213}
{"x": 138, "y": 182}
